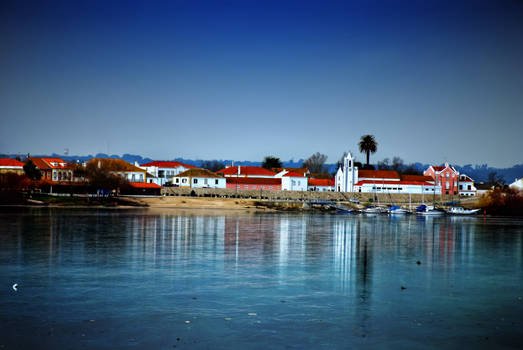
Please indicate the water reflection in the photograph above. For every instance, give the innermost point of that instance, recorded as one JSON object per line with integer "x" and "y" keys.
{"x": 345, "y": 270}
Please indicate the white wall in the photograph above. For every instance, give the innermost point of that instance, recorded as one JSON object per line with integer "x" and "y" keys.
{"x": 201, "y": 182}
{"x": 289, "y": 183}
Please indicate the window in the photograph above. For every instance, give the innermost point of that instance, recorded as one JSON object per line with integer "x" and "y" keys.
{"x": 215, "y": 182}
{"x": 460, "y": 187}
{"x": 177, "y": 180}
{"x": 195, "y": 181}
{"x": 206, "y": 181}
{"x": 184, "y": 181}
{"x": 448, "y": 175}
{"x": 447, "y": 185}
{"x": 469, "y": 187}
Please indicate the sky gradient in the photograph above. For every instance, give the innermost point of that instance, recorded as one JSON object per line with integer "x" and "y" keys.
{"x": 433, "y": 81}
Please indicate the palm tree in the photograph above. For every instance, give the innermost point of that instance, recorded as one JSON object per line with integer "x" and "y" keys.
{"x": 368, "y": 145}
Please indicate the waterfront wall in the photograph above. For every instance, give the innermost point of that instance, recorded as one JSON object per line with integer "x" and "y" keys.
{"x": 342, "y": 197}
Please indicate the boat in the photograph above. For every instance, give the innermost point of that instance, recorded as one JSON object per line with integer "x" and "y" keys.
{"x": 462, "y": 211}
{"x": 428, "y": 210}
{"x": 374, "y": 210}
{"x": 396, "y": 210}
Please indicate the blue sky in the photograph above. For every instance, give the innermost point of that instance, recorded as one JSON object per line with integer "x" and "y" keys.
{"x": 433, "y": 81}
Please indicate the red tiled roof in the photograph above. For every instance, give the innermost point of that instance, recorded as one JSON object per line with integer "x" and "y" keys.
{"x": 45, "y": 163}
{"x": 416, "y": 178}
{"x": 293, "y": 174}
{"x": 253, "y": 181}
{"x": 246, "y": 171}
{"x": 321, "y": 182}
{"x": 167, "y": 164}
{"x": 438, "y": 168}
{"x": 359, "y": 183}
{"x": 466, "y": 178}
{"x": 10, "y": 162}
{"x": 378, "y": 174}
{"x": 296, "y": 170}
{"x": 144, "y": 185}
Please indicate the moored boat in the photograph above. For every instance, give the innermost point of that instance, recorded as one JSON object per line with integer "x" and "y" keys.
{"x": 462, "y": 211}
{"x": 428, "y": 210}
{"x": 396, "y": 210}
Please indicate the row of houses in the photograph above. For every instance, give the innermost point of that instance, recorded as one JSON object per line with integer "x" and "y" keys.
{"x": 445, "y": 180}
{"x": 435, "y": 180}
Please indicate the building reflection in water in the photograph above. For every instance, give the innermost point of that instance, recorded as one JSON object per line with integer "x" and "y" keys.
{"x": 344, "y": 247}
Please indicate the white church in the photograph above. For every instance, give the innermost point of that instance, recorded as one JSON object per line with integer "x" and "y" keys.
{"x": 350, "y": 179}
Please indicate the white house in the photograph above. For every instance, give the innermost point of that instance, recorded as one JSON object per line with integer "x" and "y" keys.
{"x": 291, "y": 181}
{"x": 466, "y": 186}
{"x": 199, "y": 178}
{"x": 517, "y": 185}
{"x": 321, "y": 185}
{"x": 350, "y": 179}
{"x": 163, "y": 171}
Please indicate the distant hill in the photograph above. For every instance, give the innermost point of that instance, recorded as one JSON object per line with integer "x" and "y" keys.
{"x": 478, "y": 172}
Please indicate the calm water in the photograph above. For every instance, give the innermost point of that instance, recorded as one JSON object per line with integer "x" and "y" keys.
{"x": 106, "y": 279}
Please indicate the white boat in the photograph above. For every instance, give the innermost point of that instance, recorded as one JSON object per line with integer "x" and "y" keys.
{"x": 374, "y": 210}
{"x": 462, "y": 211}
{"x": 395, "y": 210}
{"x": 428, "y": 210}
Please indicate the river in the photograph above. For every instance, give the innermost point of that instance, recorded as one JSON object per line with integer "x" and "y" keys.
{"x": 164, "y": 279}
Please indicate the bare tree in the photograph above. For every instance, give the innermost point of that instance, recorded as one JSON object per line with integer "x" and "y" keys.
{"x": 315, "y": 163}
{"x": 397, "y": 164}
{"x": 212, "y": 165}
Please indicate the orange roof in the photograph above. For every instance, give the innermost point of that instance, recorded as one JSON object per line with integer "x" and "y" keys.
{"x": 144, "y": 185}
{"x": 246, "y": 171}
{"x": 321, "y": 182}
{"x": 9, "y": 162}
{"x": 49, "y": 163}
{"x": 115, "y": 164}
{"x": 254, "y": 181}
{"x": 167, "y": 164}
{"x": 198, "y": 172}
{"x": 416, "y": 178}
{"x": 378, "y": 174}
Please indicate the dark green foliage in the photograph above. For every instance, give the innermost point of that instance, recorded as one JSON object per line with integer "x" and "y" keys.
{"x": 368, "y": 145}
{"x": 271, "y": 162}
{"x": 31, "y": 171}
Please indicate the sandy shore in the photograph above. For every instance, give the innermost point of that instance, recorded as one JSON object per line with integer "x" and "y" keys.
{"x": 200, "y": 203}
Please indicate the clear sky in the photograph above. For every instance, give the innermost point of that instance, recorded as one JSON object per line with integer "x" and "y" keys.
{"x": 434, "y": 81}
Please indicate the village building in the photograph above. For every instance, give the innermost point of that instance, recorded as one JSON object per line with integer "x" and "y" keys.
{"x": 199, "y": 178}
{"x": 291, "y": 181}
{"x": 120, "y": 167}
{"x": 141, "y": 189}
{"x": 53, "y": 169}
{"x": 517, "y": 185}
{"x": 466, "y": 186}
{"x": 445, "y": 176}
{"x": 321, "y": 185}
{"x": 9, "y": 165}
{"x": 350, "y": 179}
{"x": 302, "y": 171}
{"x": 254, "y": 183}
{"x": 451, "y": 181}
{"x": 246, "y": 171}
{"x": 163, "y": 171}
